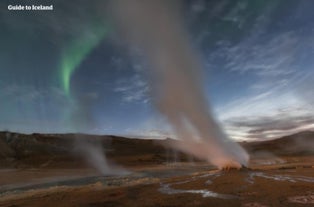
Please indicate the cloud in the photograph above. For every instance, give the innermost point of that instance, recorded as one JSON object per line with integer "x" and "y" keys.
{"x": 150, "y": 134}
{"x": 274, "y": 60}
{"x": 304, "y": 89}
{"x": 271, "y": 126}
{"x": 280, "y": 99}
{"x": 266, "y": 115}
{"x": 271, "y": 56}
{"x": 154, "y": 126}
{"x": 133, "y": 90}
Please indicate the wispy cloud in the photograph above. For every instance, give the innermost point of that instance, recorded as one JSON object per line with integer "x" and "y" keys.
{"x": 277, "y": 102}
{"x": 267, "y": 120}
{"x": 271, "y": 56}
{"x": 133, "y": 89}
{"x": 268, "y": 127}
{"x": 266, "y": 115}
{"x": 154, "y": 126}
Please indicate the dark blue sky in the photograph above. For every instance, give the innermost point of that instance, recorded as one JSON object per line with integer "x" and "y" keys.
{"x": 257, "y": 58}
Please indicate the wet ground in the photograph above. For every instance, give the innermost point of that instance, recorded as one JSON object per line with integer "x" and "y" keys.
{"x": 183, "y": 184}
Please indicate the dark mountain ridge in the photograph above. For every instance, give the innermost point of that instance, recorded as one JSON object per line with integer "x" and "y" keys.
{"x": 39, "y": 149}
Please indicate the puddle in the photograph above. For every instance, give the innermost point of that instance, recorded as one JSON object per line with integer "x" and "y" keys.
{"x": 292, "y": 179}
{"x": 307, "y": 199}
{"x": 166, "y": 189}
{"x": 170, "y": 189}
{"x": 270, "y": 161}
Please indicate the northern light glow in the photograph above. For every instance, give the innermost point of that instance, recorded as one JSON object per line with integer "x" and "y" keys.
{"x": 77, "y": 51}
{"x": 258, "y": 59}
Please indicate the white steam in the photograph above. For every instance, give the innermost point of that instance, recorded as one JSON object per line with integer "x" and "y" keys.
{"x": 155, "y": 26}
{"x": 92, "y": 151}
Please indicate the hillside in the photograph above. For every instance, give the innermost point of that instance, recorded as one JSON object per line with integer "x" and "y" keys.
{"x": 59, "y": 150}
{"x": 301, "y": 143}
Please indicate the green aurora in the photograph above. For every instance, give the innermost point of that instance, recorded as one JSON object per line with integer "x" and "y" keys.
{"x": 77, "y": 51}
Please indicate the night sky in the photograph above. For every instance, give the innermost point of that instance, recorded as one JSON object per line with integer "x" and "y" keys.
{"x": 70, "y": 70}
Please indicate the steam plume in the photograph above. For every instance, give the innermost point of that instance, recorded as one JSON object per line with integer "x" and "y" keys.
{"x": 155, "y": 26}
{"x": 92, "y": 151}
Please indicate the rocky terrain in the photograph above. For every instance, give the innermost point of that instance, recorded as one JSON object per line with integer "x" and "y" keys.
{"x": 51, "y": 170}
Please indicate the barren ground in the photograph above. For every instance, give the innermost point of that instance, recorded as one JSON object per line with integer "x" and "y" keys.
{"x": 149, "y": 180}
